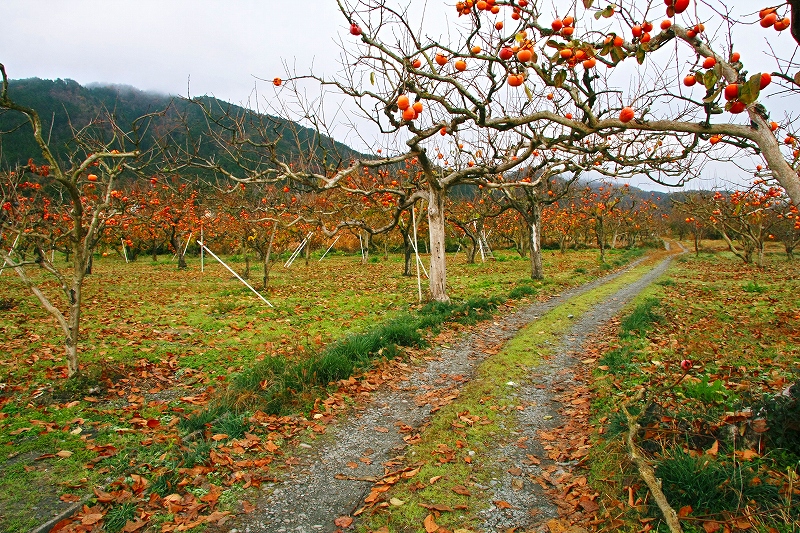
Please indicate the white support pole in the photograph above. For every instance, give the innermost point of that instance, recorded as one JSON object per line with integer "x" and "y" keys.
{"x": 415, "y": 242}
{"x": 202, "y": 251}
{"x": 187, "y": 242}
{"x": 203, "y": 246}
{"x": 480, "y": 242}
{"x": 329, "y": 248}
{"x": 416, "y": 253}
{"x": 361, "y": 244}
{"x": 288, "y": 263}
{"x": 5, "y": 263}
{"x": 124, "y": 250}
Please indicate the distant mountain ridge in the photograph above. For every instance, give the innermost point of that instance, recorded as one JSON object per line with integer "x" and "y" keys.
{"x": 63, "y": 104}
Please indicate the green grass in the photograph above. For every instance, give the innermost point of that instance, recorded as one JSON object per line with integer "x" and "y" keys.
{"x": 744, "y": 347}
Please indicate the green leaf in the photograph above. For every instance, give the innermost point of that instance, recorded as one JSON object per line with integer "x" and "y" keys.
{"x": 712, "y": 96}
{"x": 618, "y": 54}
{"x": 640, "y": 53}
{"x": 554, "y": 44}
{"x": 748, "y": 92}
{"x": 528, "y": 93}
{"x": 699, "y": 77}
{"x": 710, "y": 79}
{"x": 560, "y": 78}
{"x": 607, "y": 12}
{"x": 372, "y": 78}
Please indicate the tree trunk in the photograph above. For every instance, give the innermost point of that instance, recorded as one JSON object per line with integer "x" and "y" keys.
{"x": 436, "y": 231}
{"x": 471, "y": 249}
{"x": 175, "y": 241}
{"x": 408, "y": 252}
{"x": 537, "y": 272}
{"x": 74, "y": 320}
{"x": 601, "y": 238}
{"x": 246, "y": 273}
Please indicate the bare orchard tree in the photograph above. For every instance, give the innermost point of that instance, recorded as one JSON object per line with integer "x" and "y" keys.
{"x": 78, "y": 194}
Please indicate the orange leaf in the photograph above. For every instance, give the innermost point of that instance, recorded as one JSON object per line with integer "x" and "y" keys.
{"x": 430, "y": 524}
{"x": 711, "y": 527}
{"x": 103, "y": 497}
{"x": 248, "y": 507}
{"x": 714, "y": 448}
{"x": 130, "y": 527}
{"x": 271, "y": 447}
{"x": 64, "y": 454}
{"x": 219, "y": 437}
{"x": 502, "y": 504}
{"x": 684, "y": 511}
{"x": 91, "y": 519}
{"x": 153, "y": 423}
{"x": 462, "y": 490}
{"x": 343, "y": 521}
{"x": 71, "y": 498}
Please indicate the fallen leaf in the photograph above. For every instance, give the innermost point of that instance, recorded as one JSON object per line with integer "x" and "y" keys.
{"x": 247, "y": 507}
{"x": 90, "y": 519}
{"x": 381, "y": 429}
{"x": 434, "y": 479}
{"x": 396, "y": 502}
{"x": 502, "y": 504}
{"x": 64, "y": 454}
{"x": 130, "y": 527}
{"x": 219, "y": 437}
{"x": 711, "y": 527}
{"x": 684, "y": 511}
{"x": 70, "y": 498}
{"x": 430, "y": 524}
{"x": 343, "y": 521}
{"x": 714, "y": 449}
{"x": 461, "y": 489}
{"x": 515, "y": 471}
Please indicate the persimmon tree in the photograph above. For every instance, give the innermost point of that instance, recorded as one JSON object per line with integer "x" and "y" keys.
{"x": 80, "y": 189}
{"x": 744, "y": 218}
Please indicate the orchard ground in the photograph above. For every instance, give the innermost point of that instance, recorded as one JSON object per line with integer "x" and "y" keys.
{"x": 160, "y": 343}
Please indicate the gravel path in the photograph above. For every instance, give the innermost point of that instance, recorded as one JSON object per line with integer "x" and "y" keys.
{"x": 530, "y": 507}
{"x": 314, "y": 492}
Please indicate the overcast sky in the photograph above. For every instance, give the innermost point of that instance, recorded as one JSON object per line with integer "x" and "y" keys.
{"x": 189, "y": 46}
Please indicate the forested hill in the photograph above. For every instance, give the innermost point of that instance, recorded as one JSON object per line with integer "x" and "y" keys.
{"x": 65, "y": 104}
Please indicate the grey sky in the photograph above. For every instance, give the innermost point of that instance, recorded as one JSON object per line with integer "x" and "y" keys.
{"x": 205, "y": 46}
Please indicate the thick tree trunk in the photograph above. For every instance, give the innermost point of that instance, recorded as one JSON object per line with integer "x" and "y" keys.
{"x": 535, "y": 236}
{"x": 74, "y": 321}
{"x": 471, "y": 249}
{"x": 436, "y": 230}
{"x": 537, "y": 271}
{"x": 175, "y": 241}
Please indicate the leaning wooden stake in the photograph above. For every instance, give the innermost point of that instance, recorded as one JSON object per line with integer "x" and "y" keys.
{"x": 646, "y": 471}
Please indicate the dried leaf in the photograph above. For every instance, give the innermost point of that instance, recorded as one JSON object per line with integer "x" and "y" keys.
{"x": 343, "y": 521}
{"x": 64, "y": 453}
{"x": 430, "y": 524}
{"x": 462, "y": 490}
{"x": 502, "y": 504}
{"x": 684, "y": 511}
